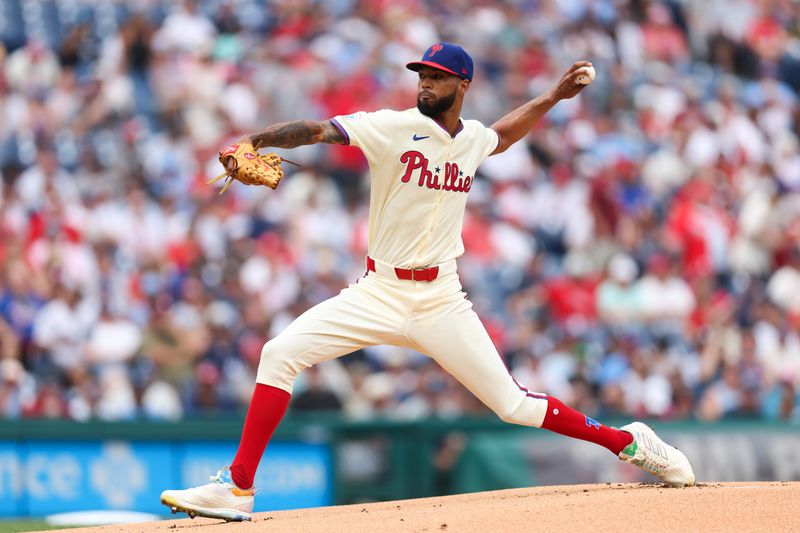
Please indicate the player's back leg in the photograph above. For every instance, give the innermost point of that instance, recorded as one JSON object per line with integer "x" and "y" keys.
{"x": 453, "y": 335}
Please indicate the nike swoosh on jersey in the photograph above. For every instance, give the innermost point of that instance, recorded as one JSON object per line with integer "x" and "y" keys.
{"x": 418, "y": 138}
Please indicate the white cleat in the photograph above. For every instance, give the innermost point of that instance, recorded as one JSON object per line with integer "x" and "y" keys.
{"x": 218, "y": 499}
{"x": 650, "y": 453}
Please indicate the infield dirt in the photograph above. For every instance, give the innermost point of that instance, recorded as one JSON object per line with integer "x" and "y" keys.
{"x": 708, "y": 507}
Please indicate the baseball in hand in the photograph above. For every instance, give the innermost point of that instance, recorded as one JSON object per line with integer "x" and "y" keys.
{"x": 587, "y": 75}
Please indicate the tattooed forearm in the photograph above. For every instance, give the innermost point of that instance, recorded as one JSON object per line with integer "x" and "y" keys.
{"x": 298, "y": 133}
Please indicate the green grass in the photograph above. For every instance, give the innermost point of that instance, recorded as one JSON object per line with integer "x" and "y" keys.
{"x": 12, "y": 526}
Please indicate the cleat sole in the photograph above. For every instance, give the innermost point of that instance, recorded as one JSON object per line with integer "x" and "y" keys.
{"x": 229, "y": 515}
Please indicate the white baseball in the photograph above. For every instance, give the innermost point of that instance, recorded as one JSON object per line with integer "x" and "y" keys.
{"x": 587, "y": 75}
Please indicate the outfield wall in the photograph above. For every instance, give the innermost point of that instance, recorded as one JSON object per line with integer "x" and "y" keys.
{"x": 56, "y": 466}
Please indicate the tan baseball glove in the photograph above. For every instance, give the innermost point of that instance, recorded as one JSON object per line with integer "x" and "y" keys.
{"x": 243, "y": 163}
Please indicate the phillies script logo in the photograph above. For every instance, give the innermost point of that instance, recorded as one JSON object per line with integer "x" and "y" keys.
{"x": 454, "y": 180}
{"x": 435, "y": 48}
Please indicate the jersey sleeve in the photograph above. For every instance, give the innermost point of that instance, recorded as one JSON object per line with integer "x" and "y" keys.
{"x": 491, "y": 140}
{"x": 371, "y": 132}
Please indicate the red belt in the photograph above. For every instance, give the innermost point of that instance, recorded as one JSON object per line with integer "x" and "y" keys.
{"x": 416, "y": 274}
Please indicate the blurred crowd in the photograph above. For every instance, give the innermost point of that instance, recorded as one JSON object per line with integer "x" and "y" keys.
{"x": 637, "y": 255}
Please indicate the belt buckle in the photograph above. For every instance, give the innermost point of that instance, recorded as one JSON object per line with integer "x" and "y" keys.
{"x": 423, "y": 271}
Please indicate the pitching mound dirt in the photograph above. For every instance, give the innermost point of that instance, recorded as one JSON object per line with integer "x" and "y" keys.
{"x": 773, "y": 506}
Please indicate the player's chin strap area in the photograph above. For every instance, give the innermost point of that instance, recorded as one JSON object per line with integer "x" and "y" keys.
{"x": 428, "y": 274}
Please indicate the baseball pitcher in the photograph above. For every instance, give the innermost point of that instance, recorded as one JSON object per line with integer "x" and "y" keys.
{"x": 422, "y": 162}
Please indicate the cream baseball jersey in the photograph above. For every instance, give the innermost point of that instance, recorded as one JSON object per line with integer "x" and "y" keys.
{"x": 420, "y": 180}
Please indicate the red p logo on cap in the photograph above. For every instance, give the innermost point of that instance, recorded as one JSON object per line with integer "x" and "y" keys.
{"x": 435, "y": 48}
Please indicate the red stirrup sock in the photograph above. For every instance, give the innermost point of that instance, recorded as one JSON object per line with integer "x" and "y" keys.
{"x": 567, "y": 421}
{"x": 264, "y": 414}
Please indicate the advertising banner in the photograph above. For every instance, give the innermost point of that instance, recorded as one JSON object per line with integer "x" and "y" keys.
{"x": 40, "y": 478}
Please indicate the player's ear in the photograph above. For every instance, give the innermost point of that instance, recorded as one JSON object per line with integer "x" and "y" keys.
{"x": 464, "y": 84}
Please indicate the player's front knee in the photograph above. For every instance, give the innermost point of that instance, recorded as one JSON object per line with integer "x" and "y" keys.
{"x": 277, "y": 365}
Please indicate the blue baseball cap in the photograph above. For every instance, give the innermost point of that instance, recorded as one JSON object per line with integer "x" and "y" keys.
{"x": 447, "y": 57}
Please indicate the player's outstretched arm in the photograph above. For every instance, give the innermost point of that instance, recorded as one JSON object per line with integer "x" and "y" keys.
{"x": 516, "y": 125}
{"x": 243, "y": 163}
{"x": 296, "y": 133}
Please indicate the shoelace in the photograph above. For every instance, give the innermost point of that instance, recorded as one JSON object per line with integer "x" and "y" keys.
{"x": 651, "y": 466}
{"x": 217, "y": 478}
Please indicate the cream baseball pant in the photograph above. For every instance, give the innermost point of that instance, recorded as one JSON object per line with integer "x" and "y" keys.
{"x": 434, "y": 318}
